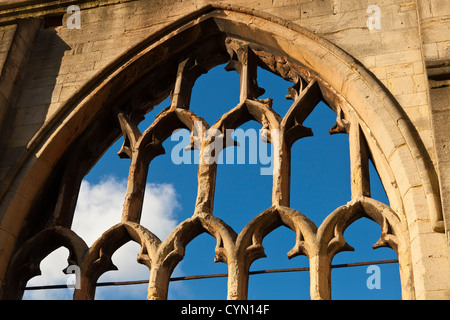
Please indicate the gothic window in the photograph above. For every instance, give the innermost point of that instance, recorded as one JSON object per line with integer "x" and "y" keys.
{"x": 192, "y": 128}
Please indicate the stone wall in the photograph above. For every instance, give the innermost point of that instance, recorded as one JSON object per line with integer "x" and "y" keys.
{"x": 44, "y": 65}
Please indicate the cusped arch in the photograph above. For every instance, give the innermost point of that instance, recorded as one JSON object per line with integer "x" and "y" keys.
{"x": 249, "y": 240}
{"x": 330, "y": 240}
{"x": 98, "y": 260}
{"x": 172, "y": 250}
{"x": 25, "y": 263}
{"x": 248, "y": 245}
{"x": 141, "y": 148}
{"x": 342, "y": 79}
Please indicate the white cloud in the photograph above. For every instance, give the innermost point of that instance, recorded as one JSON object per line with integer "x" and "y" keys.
{"x": 160, "y": 206}
{"x": 51, "y": 268}
{"x": 99, "y": 207}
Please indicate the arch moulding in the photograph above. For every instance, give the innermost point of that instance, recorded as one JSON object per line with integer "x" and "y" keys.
{"x": 349, "y": 89}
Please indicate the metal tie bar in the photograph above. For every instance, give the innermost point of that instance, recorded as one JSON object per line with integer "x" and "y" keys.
{"x": 220, "y": 275}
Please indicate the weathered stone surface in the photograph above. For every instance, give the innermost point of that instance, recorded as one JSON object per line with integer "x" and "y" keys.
{"x": 57, "y": 82}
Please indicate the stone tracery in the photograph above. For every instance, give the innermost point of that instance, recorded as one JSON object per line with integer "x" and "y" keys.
{"x": 238, "y": 251}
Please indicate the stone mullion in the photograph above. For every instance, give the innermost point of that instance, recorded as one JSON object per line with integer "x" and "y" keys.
{"x": 320, "y": 277}
{"x": 244, "y": 61}
{"x": 248, "y": 75}
{"x": 158, "y": 286}
{"x": 181, "y": 94}
{"x": 281, "y": 172}
{"x": 137, "y": 175}
{"x": 137, "y": 179}
{"x": 206, "y": 182}
{"x": 291, "y": 130}
{"x": 359, "y": 161}
{"x": 68, "y": 194}
{"x": 238, "y": 275}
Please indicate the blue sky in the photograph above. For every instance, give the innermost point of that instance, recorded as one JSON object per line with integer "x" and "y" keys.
{"x": 320, "y": 183}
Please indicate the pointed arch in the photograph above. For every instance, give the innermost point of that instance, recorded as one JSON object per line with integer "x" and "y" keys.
{"x": 350, "y": 89}
{"x": 25, "y": 263}
{"x": 98, "y": 258}
{"x": 330, "y": 241}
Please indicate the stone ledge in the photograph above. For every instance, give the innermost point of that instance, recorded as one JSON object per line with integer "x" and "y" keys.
{"x": 22, "y": 9}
